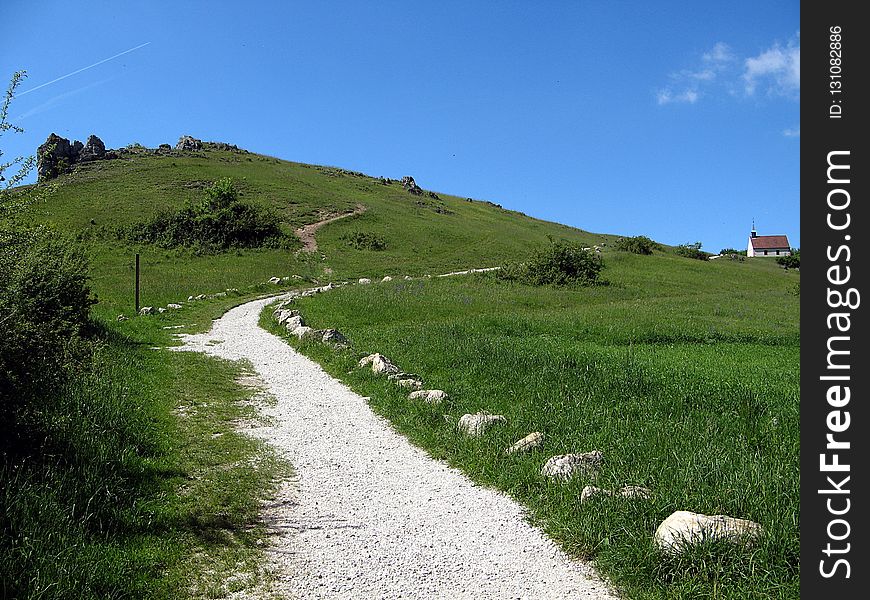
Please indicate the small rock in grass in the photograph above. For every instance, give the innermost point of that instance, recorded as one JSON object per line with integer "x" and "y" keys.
{"x": 533, "y": 440}
{"x": 333, "y": 336}
{"x": 275, "y": 280}
{"x": 190, "y": 298}
{"x": 411, "y": 384}
{"x": 123, "y": 317}
{"x": 302, "y": 332}
{"x": 282, "y": 315}
{"x": 327, "y": 287}
{"x": 408, "y": 278}
{"x": 161, "y": 310}
{"x": 146, "y": 310}
{"x": 379, "y": 363}
{"x": 294, "y": 322}
{"x": 566, "y": 466}
{"x": 683, "y": 529}
{"x": 635, "y": 491}
{"x": 474, "y": 425}
{"x": 428, "y": 396}
{"x": 173, "y": 306}
{"x": 628, "y": 491}
{"x": 365, "y": 280}
{"x": 386, "y": 279}
{"x": 200, "y": 297}
{"x": 590, "y": 491}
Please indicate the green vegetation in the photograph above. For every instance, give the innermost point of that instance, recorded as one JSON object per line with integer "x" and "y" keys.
{"x": 792, "y": 261}
{"x": 639, "y": 244}
{"x": 98, "y": 197}
{"x": 683, "y": 373}
{"x": 217, "y": 223}
{"x": 559, "y": 263}
{"x": 691, "y": 251}
{"x": 685, "y": 377}
{"x": 364, "y": 240}
{"x": 725, "y": 251}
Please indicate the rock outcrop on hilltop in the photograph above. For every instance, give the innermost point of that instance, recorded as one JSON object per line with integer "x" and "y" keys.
{"x": 58, "y": 155}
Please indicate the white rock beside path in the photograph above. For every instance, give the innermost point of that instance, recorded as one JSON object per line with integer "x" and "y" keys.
{"x": 531, "y": 441}
{"x": 628, "y": 491}
{"x": 428, "y": 396}
{"x": 683, "y": 529}
{"x": 566, "y": 466}
{"x": 380, "y": 364}
{"x": 371, "y": 516}
{"x": 476, "y": 424}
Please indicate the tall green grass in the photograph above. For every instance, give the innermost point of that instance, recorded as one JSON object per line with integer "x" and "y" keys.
{"x": 138, "y": 484}
{"x": 693, "y": 395}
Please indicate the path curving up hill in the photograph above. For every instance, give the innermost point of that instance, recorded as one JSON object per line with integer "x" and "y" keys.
{"x": 306, "y": 232}
{"x": 370, "y": 515}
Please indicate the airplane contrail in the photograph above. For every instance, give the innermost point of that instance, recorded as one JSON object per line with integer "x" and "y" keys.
{"x": 42, "y": 85}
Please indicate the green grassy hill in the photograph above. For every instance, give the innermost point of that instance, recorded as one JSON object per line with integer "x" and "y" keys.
{"x": 684, "y": 373}
{"x": 422, "y": 234}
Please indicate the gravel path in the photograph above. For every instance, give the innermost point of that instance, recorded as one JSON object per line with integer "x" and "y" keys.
{"x": 370, "y": 515}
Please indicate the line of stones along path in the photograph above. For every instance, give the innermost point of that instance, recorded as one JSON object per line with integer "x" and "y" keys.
{"x": 370, "y": 515}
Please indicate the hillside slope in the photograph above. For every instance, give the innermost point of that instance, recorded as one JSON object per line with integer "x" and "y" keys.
{"x": 422, "y": 233}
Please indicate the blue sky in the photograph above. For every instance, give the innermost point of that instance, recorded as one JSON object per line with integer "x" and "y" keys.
{"x": 676, "y": 120}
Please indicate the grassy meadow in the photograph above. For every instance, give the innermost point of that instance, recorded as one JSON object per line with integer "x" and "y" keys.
{"x": 683, "y": 373}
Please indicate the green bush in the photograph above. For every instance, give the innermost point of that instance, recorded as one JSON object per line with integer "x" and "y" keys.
{"x": 791, "y": 262}
{"x": 725, "y": 251}
{"x": 44, "y": 303}
{"x": 364, "y": 240}
{"x": 639, "y": 244}
{"x": 219, "y": 222}
{"x": 560, "y": 263}
{"x": 691, "y": 251}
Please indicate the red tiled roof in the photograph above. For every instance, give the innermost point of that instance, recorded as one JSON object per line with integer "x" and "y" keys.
{"x": 770, "y": 242}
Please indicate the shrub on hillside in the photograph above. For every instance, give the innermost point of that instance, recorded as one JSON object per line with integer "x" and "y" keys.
{"x": 364, "y": 240}
{"x": 727, "y": 251}
{"x": 791, "y": 262}
{"x": 559, "y": 263}
{"x": 219, "y": 222}
{"x": 44, "y": 303}
{"x": 691, "y": 251}
{"x": 639, "y": 244}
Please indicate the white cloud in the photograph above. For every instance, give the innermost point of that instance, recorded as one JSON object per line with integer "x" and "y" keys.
{"x": 684, "y": 97}
{"x": 687, "y": 84}
{"x": 721, "y": 53}
{"x": 792, "y": 132}
{"x": 777, "y": 69}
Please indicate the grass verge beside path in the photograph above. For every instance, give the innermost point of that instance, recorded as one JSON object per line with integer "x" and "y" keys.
{"x": 143, "y": 486}
{"x": 699, "y": 405}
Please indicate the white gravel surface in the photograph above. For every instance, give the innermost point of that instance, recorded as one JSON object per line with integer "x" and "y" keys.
{"x": 370, "y": 515}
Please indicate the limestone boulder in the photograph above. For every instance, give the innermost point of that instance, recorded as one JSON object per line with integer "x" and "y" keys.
{"x": 531, "y": 441}
{"x": 380, "y": 364}
{"x": 428, "y": 396}
{"x": 334, "y": 337}
{"x": 628, "y": 491}
{"x": 683, "y": 529}
{"x": 567, "y": 466}
{"x": 476, "y": 424}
